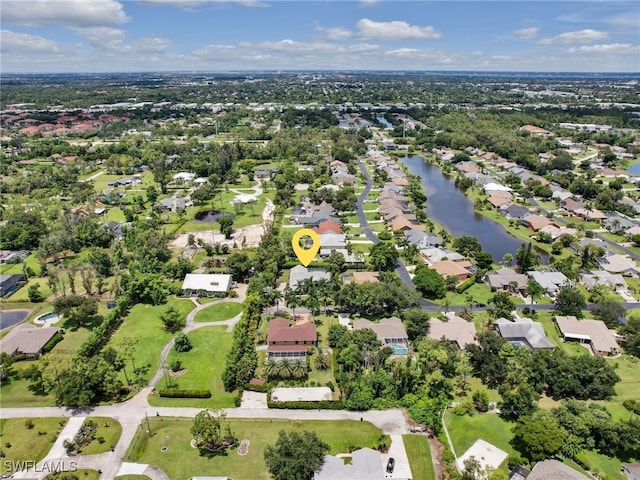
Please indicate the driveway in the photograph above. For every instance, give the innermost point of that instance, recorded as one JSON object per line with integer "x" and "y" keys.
{"x": 399, "y": 454}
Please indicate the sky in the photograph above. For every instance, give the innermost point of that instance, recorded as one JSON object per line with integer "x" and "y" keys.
{"x": 222, "y": 35}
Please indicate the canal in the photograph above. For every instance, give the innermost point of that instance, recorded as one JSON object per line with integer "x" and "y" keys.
{"x": 451, "y": 208}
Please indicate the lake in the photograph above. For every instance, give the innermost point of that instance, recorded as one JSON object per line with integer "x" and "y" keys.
{"x": 634, "y": 169}
{"x": 451, "y": 208}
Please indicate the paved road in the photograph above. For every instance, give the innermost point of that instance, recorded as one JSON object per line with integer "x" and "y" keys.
{"x": 364, "y": 223}
{"x": 563, "y": 221}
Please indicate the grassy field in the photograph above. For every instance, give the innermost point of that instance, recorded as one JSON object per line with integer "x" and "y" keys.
{"x": 109, "y": 429}
{"x": 203, "y": 364}
{"x": 419, "y": 454}
{"x": 18, "y": 392}
{"x": 31, "y": 444}
{"x": 219, "y": 312}
{"x": 143, "y": 322}
{"x": 181, "y": 461}
{"x": 465, "y": 430}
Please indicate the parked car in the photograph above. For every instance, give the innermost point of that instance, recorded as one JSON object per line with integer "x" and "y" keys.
{"x": 418, "y": 429}
{"x": 391, "y": 464}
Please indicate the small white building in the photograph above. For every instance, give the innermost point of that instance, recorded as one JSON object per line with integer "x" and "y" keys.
{"x": 199, "y": 283}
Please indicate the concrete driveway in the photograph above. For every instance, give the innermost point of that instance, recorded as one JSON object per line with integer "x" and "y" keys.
{"x": 398, "y": 452}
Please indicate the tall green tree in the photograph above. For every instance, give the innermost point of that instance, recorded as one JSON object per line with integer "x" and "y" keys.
{"x": 570, "y": 301}
{"x": 526, "y": 257}
{"x": 295, "y": 455}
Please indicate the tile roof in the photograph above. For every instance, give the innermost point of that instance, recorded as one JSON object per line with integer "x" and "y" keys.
{"x": 281, "y": 331}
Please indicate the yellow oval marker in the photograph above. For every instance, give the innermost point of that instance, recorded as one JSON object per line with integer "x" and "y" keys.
{"x": 305, "y": 255}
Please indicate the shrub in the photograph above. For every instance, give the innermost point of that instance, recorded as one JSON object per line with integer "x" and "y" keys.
{"x": 632, "y": 406}
{"x": 29, "y": 424}
{"x": 182, "y": 344}
{"x": 321, "y": 405}
{"x": 257, "y": 388}
{"x": 177, "y": 393}
{"x": 176, "y": 365}
{"x": 466, "y": 284}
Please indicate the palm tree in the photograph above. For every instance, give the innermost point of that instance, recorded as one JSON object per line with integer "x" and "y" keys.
{"x": 276, "y": 296}
{"x": 298, "y": 368}
{"x": 270, "y": 368}
{"x": 321, "y": 359}
{"x": 312, "y": 302}
{"x": 285, "y": 369}
{"x": 291, "y": 300}
{"x": 323, "y": 292}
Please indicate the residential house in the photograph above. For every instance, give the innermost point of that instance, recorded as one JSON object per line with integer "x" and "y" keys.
{"x": 332, "y": 241}
{"x": 184, "y": 177}
{"x": 201, "y": 283}
{"x": 352, "y": 259}
{"x": 10, "y": 283}
{"x": 561, "y": 195}
{"x": 28, "y": 340}
{"x": 632, "y": 231}
{"x": 507, "y": 279}
{"x": 535, "y": 222}
{"x": 550, "y": 280}
{"x": 457, "y": 330}
{"x": 422, "y": 239}
{"x": 618, "y": 224}
{"x": 615, "y": 263}
{"x": 116, "y": 228}
{"x": 365, "y": 464}
{"x": 519, "y": 473}
{"x": 289, "y": 342}
{"x": 365, "y": 277}
{"x": 389, "y": 331}
{"x": 533, "y": 130}
{"x": 497, "y": 202}
{"x": 402, "y": 223}
{"x": 328, "y": 226}
{"x": 438, "y": 254}
{"x": 523, "y": 332}
{"x": 556, "y": 232}
{"x": 448, "y": 268}
{"x": 315, "y": 220}
{"x": 590, "y": 214}
{"x": 13, "y": 256}
{"x": 554, "y": 469}
{"x": 594, "y": 332}
{"x": 298, "y": 274}
{"x": 601, "y": 277}
{"x": 401, "y": 181}
{"x": 172, "y": 204}
{"x": 569, "y": 204}
{"x": 515, "y": 212}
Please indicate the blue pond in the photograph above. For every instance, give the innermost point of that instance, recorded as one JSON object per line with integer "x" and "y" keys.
{"x": 634, "y": 169}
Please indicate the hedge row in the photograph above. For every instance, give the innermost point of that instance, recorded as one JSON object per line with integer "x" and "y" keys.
{"x": 632, "y": 406}
{"x": 466, "y": 284}
{"x": 257, "y": 388}
{"x": 102, "y": 333}
{"x": 176, "y": 393}
{"x": 52, "y": 342}
{"x": 321, "y": 405}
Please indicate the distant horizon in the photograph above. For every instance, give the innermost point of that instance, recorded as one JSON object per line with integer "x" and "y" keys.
{"x": 100, "y": 36}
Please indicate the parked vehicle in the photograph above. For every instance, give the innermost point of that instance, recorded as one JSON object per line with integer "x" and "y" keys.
{"x": 418, "y": 429}
{"x": 391, "y": 464}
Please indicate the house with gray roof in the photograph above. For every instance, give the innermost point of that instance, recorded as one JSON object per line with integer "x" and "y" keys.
{"x": 29, "y": 340}
{"x": 298, "y": 274}
{"x": 422, "y": 239}
{"x": 507, "y": 279}
{"x": 515, "y": 212}
{"x": 551, "y": 280}
{"x": 554, "y": 469}
{"x": 366, "y": 464}
{"x": 601, "y": 277}
{"x": 172, "y": 204}
{"x": 618, "y": 223}
{"x": 456, "y": 330}
{"x": 523, "y": 332}
{"x": 389, "y": 331}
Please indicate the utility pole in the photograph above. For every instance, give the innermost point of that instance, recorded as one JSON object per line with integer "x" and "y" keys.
{"x": 148, "y": 424}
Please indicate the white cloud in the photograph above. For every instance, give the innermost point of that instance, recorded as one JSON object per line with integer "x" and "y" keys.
{"x": 13, "y": 42}
{"x": 572, "y": 38}
{"x": 152, "y": 44}
{"x": 402, "y": 52}
{"x": 617, "y": 48}
{"x": 78, "y": 13}
{"x": 102, "y": 37}
{"x": 369, "y": 3}
{"x": 338, "y": 33}
{"x": 187, "y": 4}
{"x": 395, "y": 30}
{"x": 526, "y": 33}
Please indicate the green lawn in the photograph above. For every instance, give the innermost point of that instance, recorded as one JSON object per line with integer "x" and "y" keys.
{"x": 109, "y": 429}
{"x": 465, "y": 430}
{"x": 143, "y": 322}
{"x": 481, "y": 294}
{"x": 181, "y": 461}
{"x": 18, "y": 392}
{"x": 28, "y": 443}
{"x": 219, "y": 312}
{"x": 419, "y": 453}
{"x": 603, "y": 466}
{"x": 203, "y": 364}
{"x": 82, "y": 473}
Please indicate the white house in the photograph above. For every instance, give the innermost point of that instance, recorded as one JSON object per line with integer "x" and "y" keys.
{"x": 217, "y": 284}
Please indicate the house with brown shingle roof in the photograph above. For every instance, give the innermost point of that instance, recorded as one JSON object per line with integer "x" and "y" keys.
{"x": 400, "y": 181}
{"x": 593, "y": 332}
{"x": 535, "y": 222}
{"x": 457, "y": 330}
{"x": 365, "y": 277}
{"x": 289, "y": 342}
{"x": 403, "y": 223}
{"x": 497, "y": 202}
{"x": 448, "y": 268}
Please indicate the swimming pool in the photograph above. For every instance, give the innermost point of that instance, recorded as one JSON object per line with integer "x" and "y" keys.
{"x": 399, "y": 350}
{"x": 49, "y": 317}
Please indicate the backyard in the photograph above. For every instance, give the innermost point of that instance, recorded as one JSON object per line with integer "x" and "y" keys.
{"x": 419, "y": 453}
{"x": 219, "y": 312}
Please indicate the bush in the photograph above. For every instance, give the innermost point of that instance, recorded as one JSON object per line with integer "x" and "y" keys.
{"x": 177, "y": 393}
{"x": 176, "y": 365}
{"x": 257, "y": 388}
{"x": 466, "y": 284}
{"x": 321, "y": 405}
{"x": 52, "y": 342}
{"x": 632, "y": 406}
{"x": 29, "y": 424}
{"x": 182, "y": 344}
